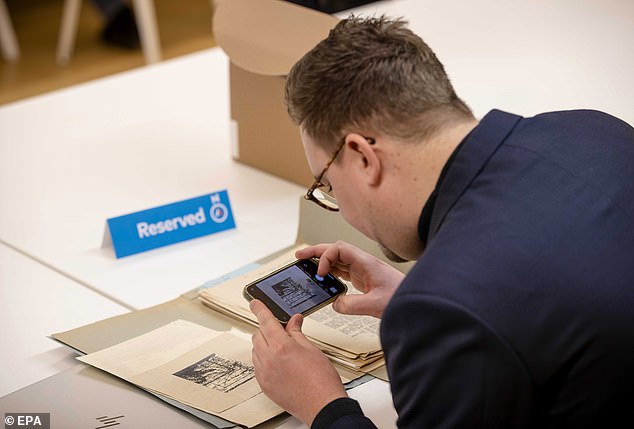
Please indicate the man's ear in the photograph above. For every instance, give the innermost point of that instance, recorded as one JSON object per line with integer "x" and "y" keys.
{"x": 365, "y": 157}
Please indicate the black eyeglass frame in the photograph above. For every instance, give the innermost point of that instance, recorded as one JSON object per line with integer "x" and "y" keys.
{"x": 310, "y": 194}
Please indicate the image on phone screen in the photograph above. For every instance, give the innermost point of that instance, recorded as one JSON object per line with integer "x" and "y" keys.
{"x": 296, "y": 288}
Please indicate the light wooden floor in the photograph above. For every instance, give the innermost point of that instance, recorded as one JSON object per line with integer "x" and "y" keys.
{"x": 184, "y": 27}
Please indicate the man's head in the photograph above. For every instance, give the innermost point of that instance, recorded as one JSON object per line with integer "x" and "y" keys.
{"x": 366, "y": 99}
{"x": 373, "y": 74}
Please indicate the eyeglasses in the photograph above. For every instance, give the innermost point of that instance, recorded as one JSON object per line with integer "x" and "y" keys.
{"x": 321, "y": 197}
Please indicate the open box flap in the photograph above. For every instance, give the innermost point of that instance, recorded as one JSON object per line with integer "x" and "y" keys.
{"x": 268, "y": 36}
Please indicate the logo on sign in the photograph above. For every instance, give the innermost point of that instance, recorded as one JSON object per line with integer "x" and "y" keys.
{"x": 218, "y": 211}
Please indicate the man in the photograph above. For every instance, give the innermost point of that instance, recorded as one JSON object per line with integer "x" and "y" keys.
{"x": 520, "y": 309}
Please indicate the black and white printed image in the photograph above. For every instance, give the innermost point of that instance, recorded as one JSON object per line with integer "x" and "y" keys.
{"x": 292, "y": 289}
{"x": 218, "y": 373}
{"x": 292, "y": 292}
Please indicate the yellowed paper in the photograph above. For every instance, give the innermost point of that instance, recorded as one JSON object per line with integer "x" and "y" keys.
{"x": 150, "y": 350}
{"x": 166, "y": 359}
{"x": 213, "y": 377}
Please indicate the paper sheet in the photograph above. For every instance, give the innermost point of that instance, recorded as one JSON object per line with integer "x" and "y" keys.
{"x": 205, "y": 369}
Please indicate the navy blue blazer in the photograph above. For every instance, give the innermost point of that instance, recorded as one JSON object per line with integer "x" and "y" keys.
{"x": 520, "y": 312}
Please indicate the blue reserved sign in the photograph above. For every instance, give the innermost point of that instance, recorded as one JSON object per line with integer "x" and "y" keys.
{"x": 171, "y": 223}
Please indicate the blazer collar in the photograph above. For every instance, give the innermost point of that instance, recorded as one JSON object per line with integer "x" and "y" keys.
{"x": 477, "y": 148}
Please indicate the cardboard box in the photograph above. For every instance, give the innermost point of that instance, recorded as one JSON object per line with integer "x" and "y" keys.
{"x": 263, "y": 39}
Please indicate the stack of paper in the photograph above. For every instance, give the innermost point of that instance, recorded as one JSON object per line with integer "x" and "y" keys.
{"x": 351, "y": 341}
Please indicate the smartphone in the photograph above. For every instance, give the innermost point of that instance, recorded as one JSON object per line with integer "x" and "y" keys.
{"x": 295, "y": 288}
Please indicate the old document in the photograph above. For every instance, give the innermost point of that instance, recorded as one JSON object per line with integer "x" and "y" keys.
{"x": 205, "y": 369}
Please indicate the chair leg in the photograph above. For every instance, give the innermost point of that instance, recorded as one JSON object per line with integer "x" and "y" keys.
{"x": 148, "y": 30}
{"x": 68, "y": 31}
{"x": 8, "y": 41}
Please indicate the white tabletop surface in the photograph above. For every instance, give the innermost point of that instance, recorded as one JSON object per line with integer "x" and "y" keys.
{"x": 71, "y": 159}
{"x": 36, "y": 302}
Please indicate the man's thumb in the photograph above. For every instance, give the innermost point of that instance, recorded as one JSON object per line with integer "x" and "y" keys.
{"x": 295, "y": 324}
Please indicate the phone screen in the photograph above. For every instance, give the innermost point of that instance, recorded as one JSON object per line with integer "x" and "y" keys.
{"x": 295, "y": 288}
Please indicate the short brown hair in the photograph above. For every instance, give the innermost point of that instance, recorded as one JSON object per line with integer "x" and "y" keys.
{"x": 371, "y": 73}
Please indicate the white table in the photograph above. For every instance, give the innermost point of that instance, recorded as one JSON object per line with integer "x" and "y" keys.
{"x": 159, "y": 134}
{"x": 36, "y": 302}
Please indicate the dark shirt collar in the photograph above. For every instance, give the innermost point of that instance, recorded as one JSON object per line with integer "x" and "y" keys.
{"x": 424, "y": 221}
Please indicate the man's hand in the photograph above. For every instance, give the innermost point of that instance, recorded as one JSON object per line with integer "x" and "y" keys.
{"x": 376, "y": 279}
{"x": 291, "y": 371}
